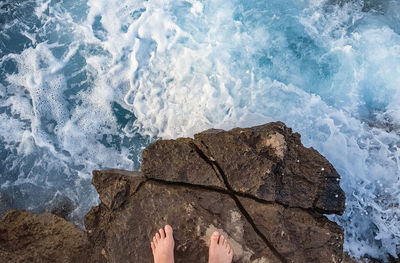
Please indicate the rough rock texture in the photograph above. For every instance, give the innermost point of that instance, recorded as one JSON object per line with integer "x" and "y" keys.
{"x": 267, "y": 162}
{"x": 259, "y": 186}
{"x": 61, "y": 206}
{"x": 191, "y": 211}
{"x": 40, "y": 238}
{"x": 179, "y": 161}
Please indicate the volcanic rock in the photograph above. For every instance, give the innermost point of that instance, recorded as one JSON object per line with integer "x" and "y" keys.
{"x": 258, "y": 186}
{"x": 266, "y": 162}
{"x": 40, "y": 238}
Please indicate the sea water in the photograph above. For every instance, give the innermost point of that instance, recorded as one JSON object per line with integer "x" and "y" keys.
{"x": 87, "y": 84}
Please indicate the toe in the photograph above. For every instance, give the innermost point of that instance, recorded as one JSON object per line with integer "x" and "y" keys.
{"x": 214, "y": 238}
{"x": 153, "y": 247}
{"x": 162, "y": 233}
{"x": 155, "y": 241}
{"x": 168, "y": 230}
{"x": 221, "y": 240}
{"x": 158, "y": 236}
{"x": 225, "y": 244}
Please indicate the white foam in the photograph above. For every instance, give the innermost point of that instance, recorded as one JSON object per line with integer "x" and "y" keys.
{"x": 184, "y": 66}
{"x": 194, "y": 87}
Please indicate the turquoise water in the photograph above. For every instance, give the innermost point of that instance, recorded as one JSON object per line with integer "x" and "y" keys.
{"x": 88, "y": 84}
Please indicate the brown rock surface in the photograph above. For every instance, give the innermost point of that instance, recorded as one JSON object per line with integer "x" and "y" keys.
{"x": 40, "y": 238}
{"x": 179, "y": 161}
{"x": 259, "y": 186}
{"x": 258, "y": 232}
{"x": 269, "y": 162}
{"x": 194, "y": 213}
{"x": 266, "y": 162}
{"x": 297, "y": 234}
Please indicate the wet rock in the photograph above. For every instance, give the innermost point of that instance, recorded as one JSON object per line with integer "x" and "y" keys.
{"x": 61, "y": 206}
{"x": 40, "y": 238}
{"x": 267, "y": 162}
{"x": 260, "y": 187}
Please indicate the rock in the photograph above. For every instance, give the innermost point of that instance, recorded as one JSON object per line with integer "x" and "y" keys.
{"x": 179, "y": 161}
{"x": 270, "y": 163}
{"x": 40, "y": 238}
{"x": 259, "y": 186}
{"x": 114, "y": 188}
{"x": 297, "y": 234}
{"x": 286, "y": 234}
{"x": 123, "y": 235}
{"x": 267, "y": 162}
{"x": 60, "y": 206}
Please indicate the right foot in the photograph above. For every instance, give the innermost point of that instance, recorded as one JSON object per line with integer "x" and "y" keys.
{"x": 163, "y": 246}
{"x": 220, "y": 251}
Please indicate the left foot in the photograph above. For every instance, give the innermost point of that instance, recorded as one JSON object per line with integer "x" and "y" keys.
{"x": 163, "y": 246}
{"x": 219, "y": 251}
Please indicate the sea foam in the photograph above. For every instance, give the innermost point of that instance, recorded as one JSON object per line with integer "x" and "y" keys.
{"x": 88, "y": 84}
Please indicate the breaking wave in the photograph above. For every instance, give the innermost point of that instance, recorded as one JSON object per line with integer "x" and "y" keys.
{"x": 88, "y": 84}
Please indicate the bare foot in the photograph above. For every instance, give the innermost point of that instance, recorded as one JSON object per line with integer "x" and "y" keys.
{"x": 163, "y": 246}
{"x": 220, "y": 251}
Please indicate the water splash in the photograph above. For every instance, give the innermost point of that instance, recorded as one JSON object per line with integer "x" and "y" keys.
{"x": 87, "y": 84}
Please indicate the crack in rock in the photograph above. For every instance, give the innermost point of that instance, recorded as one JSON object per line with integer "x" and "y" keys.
{"x": 220, "y": 173}
{"x": 259, "y": 187}
{"x": 266, "y": 164}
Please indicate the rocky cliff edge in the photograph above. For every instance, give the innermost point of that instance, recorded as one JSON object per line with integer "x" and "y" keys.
{"x": 259, "y": 186}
